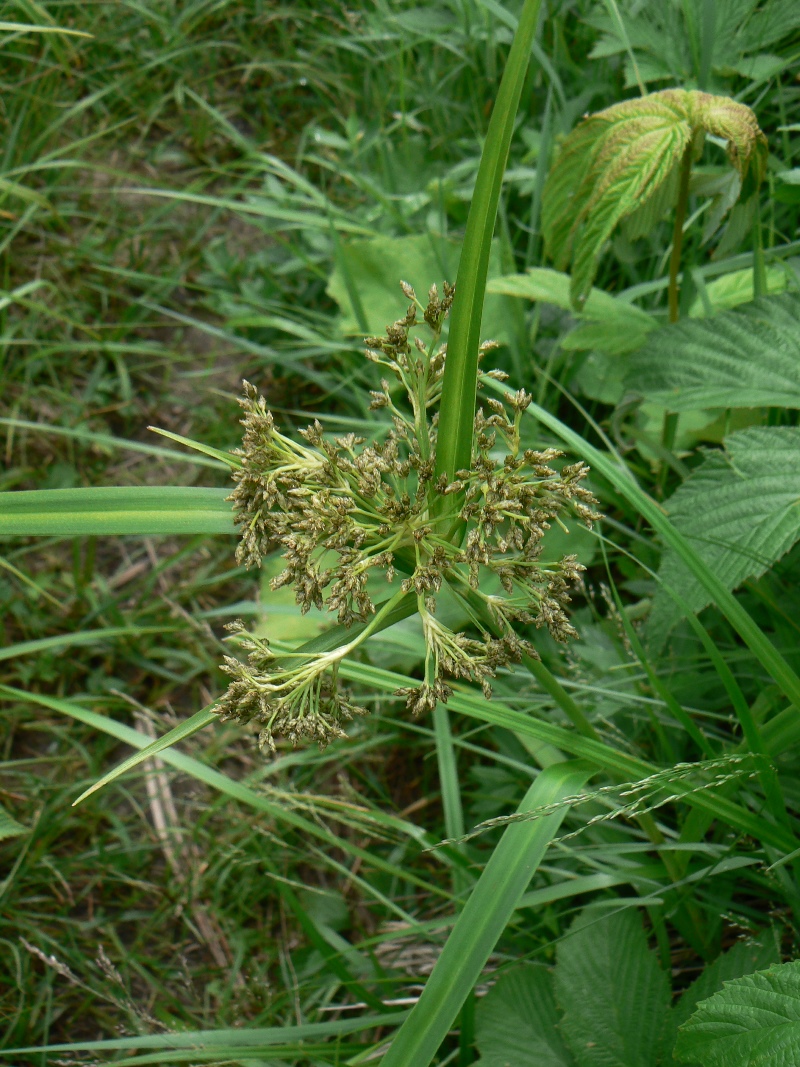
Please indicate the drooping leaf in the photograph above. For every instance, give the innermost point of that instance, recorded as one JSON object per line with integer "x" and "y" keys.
{"x": 740, "y": 511}
{"x": 614, "y": 995}
{"x": 140, "y": 509}
{"x": 517, "y": 1022}
{"x": 745, "y": 358}
{"x": 751, "y": 1021}
{"x": 617, "y": 160}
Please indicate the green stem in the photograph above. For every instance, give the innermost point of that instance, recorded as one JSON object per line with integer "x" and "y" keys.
{"x": 670, "y": 426}
{"x": 677, "y": 234}
{"x": 759, "y": 266}
{"x": 457, "y": 408}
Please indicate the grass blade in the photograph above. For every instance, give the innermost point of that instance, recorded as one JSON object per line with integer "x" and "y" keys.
{"x": 83, "y": 637}
{"x": 140, "y": 509}
{"x": 485, "y": 915}
{"x": 107, "y": 440}
{"x": 241, "y": 1039}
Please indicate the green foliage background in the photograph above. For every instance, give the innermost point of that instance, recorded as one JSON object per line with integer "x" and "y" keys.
{"x": 196, "y": 192}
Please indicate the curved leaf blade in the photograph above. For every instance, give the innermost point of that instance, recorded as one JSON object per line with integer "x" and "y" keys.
{"x": 619, "y": 160}
{"x": 485, "y": 916}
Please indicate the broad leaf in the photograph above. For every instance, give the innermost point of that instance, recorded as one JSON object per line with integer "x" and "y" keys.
{"x": 745, "y": 358}
{"x": 744, "y": 958}
{"x": 617, "y": 160}
{"x": 606, "y": 322}
{"x": 369, "y": 271}
{"x": 739, "y": 511}
{"x": 752, "y": 1020}
{"x": 731, "y": 290}
{"x": 516, "y": 1023}
{"x": 142, "y": 509}
{"x": 660, "y": 41}
{"x": 614, "y": 994}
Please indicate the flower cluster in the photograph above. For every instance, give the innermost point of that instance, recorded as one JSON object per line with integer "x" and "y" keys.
{"x": 343, "y": 508}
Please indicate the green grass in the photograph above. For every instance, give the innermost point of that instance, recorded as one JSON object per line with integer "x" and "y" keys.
{"x": 185, "y": 200}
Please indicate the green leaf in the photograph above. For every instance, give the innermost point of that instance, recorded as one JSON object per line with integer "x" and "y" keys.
{"x": 751, "y": 1021}
{"x": 616, "y": 161}
{"x": 748, "y": 357}
{"x": 457, "y": 407}
{"x": 373, "y": 269}
{"x": 516, "y": 1023}
{"x": 22, "y": 27}
{"x": 239, "y": 1040}
{"x": 736, "y": 288}
{"x": 108, "y": 441}
{"x": 188, "y": 728}
{"x": 82, "y": 637}
{"x": 141, "y": 509}
{"x": 9, "y": 827}
{"x": 739, "y": 511}
{"x": 744, "y": 958}
{"x": 485, "y": 915}
{"x": 621, "y": 478}
{"x": 614, "y": 994}
{"x": 607, "y": 322}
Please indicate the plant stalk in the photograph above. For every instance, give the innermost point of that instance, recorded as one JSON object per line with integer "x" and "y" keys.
{"x": 457, "y": 409}
{"x": 670, "y": 425}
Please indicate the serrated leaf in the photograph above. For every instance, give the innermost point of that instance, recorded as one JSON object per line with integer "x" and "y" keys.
{"x": 616, "y": 161}
{"x": 746, "y": 957}
{"x": 614, "y": 994}
{"x": 751, "y": 1021}
{"x": 744, "y": 358}
{"x": 516, "y": 1023}
{"x": 740, "y": 511}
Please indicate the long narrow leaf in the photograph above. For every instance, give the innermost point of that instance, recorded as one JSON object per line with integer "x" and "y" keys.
{"x": 485, "y": 916}
{"x": 107, "y": 440}
{"x": 601, "y": 755}
{"x": 82, "y": 637}
{"x": 140, "y": 509}
{"x": 228, "y": 787}
{"x": 457, "y": 408}
{"x": 263, "y": 1037}
{"x": 324, "y": 642}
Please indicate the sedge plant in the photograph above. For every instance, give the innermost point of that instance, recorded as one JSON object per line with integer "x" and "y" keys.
{"x": 429, "y": 504}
